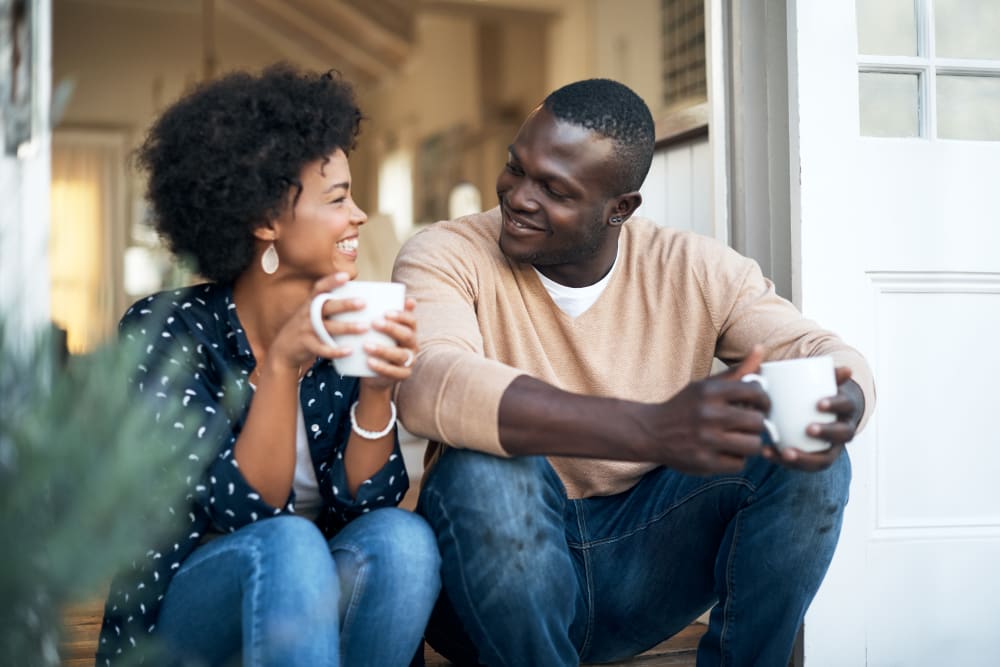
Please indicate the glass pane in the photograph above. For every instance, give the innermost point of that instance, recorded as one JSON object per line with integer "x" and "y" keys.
{"x": 967, "y": 28}
{"x": 887, "y": 27}
{"x": 889, "y": 104}
{"x": 968, "y": 107}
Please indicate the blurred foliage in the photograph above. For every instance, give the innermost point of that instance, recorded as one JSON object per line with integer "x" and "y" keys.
{"x": 84, "y": 475}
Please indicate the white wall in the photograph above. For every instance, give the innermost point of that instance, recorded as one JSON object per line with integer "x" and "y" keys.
{"x": 24, "y": 215}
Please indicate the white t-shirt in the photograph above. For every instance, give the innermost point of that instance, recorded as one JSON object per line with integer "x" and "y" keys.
{"x": 575, "y": 300}
{"x": 307, "y": 498}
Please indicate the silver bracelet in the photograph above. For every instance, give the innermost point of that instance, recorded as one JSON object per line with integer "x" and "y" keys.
{"x": 373, "y": 435}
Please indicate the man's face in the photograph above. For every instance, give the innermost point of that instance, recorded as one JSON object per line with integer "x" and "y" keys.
{"x": 553, "y": 199}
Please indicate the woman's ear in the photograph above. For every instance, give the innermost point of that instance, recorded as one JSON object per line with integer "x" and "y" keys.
{"x": 265, "y": 232}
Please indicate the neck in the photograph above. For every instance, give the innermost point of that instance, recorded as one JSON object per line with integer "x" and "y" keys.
{"x": 264, "y": 304}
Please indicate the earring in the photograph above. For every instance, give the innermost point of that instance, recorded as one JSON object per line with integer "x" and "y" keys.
{"x": 616, "y": 220}
{"x": 269, "y": 260}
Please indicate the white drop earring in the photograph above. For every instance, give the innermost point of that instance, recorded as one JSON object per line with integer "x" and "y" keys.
{"x": 269, "y": 260}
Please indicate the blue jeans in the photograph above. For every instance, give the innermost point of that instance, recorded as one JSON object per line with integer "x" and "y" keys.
{"x": 276, "y": 593}
{"x": 532, "y": 578}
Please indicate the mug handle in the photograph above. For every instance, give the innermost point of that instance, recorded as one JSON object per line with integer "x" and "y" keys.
{"x": 316, "y": 316}
{"x": 770, "y": 434}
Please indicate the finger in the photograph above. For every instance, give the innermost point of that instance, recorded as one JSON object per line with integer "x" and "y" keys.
{"x": 843, "y": 374}
{"x": 728, "y": 418}
{"x": 388, "y": 370}
{"x": 809, "y": 461}
{"x": 403, "y": 335}
{"x": 410, "y": 305}
{"x": 318, "y": 348}
{"x": 336, "y": 306}
{"x": 838, "y": 405}
{"x": 837, "y": 432}
{"x": 406, "y": 318}
{"x": 750, "y": 364}
{"x": 737, "y": 392}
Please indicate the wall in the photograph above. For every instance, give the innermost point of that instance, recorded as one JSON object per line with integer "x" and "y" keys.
{"x": 24, "y": 187}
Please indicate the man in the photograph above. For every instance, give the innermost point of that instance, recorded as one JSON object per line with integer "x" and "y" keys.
{"x": 592, "y": 488}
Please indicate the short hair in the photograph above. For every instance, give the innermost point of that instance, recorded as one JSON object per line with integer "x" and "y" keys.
{"x": 613, "y": 110}
{"x": 222, "y": 159}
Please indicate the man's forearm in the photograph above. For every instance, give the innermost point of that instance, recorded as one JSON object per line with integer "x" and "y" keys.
{"x": 536, "y": 418}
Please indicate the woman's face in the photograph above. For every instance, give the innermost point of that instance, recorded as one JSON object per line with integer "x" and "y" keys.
{"x": 319, "y": 236}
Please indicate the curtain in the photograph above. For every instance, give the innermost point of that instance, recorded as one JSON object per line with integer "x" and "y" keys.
{"x": 87, "y": 234}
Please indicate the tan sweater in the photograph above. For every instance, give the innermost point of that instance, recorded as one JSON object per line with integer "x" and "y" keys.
{"x": 675, "y": 300}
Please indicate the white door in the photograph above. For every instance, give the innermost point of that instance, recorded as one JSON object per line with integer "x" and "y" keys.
{"x": 895, "y": 141}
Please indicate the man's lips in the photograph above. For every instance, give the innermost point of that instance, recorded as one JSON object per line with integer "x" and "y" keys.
{"x": 519, "y": 223}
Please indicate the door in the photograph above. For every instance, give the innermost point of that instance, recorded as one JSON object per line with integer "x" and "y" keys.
{"x": 895, "y": 141}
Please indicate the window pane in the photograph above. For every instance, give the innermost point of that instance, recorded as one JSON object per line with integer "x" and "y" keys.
{"x": 889, "y": 104}
{"x": 967, "y": 28}
{"x": 684, "y": 74}
{"x": 968, "y": 107}
{"x": 887, "y": 27}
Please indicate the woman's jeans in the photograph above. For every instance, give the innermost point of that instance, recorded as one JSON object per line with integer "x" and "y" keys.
{"x": 531, "y": 578}
{"x": 278, "y": 594}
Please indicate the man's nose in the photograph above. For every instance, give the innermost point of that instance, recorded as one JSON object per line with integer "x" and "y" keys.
{"x": 522, "y": 195}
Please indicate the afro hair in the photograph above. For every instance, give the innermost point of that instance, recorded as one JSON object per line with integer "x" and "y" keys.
{"x": 222, "y": 160}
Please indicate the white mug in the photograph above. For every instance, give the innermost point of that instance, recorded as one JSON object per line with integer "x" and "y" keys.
{"x": 795, "y": 387}
{"x": 379, "y": 298}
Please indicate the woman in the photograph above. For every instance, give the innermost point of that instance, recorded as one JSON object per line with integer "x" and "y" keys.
{"x": 292, "y": 552}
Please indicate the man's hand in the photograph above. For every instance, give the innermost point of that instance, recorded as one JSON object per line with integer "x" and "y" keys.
{"x": 711, "y": 426}
{"x": 848, "y": 406}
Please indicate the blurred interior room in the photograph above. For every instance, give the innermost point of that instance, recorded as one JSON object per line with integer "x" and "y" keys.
{"x": 444, "y": 85}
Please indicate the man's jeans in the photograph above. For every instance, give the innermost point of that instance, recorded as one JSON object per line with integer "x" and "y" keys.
{"x": 537, "y": 579}
{"x": 278, "y": 593}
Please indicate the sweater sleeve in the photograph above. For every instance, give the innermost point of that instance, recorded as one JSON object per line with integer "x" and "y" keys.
{"x": 747, "y": 310}
{"x": 453, "y": 395}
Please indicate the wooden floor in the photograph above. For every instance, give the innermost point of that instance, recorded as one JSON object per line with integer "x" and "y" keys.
{"x": 678, "y": 651}
{"x": 83, "y": 624}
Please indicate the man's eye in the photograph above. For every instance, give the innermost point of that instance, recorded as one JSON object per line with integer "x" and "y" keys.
{"x": 514, "y": 169}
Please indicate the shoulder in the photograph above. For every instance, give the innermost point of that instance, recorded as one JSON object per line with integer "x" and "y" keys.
{"x": 477, "y": 232}
{"x": 176, "y": 310}
{"x": 648, "y": 242}
{"x": 460, "y": 246}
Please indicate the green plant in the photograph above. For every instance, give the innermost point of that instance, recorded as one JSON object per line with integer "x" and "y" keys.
{"x": 84, "y": 475}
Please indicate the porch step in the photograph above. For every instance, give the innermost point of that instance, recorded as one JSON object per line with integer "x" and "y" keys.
{"x": 82, "y": 623}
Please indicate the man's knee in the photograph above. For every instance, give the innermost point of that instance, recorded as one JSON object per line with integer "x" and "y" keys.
{"x": 467, "y": 482}
{"x": 488, "y": 511}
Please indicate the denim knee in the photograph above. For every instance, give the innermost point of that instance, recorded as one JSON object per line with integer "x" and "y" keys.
{"x": 406, "y": 549}
{"x": 503, "y": 514}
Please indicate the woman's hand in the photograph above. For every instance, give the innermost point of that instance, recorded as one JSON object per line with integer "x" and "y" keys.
{"x": 392, "y": 363}
{"x": 297, "y": 344}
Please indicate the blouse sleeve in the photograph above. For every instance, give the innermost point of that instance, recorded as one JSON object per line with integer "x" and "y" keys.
{"x": 178, "y": 376}
{"x": 385, "y": 488}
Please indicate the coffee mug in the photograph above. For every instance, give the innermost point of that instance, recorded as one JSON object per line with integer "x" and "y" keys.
{"x": 796, "y": 386}
{"x": 379, "y": 298}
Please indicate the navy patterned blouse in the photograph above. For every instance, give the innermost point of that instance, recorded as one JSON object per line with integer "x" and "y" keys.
{"x": 194, "y": 366}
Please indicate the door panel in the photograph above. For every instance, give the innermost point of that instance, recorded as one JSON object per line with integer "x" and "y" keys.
{"x": 898, "y": 242}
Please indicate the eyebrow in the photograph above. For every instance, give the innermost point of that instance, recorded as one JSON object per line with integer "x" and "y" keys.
{"x": 544, "y": 176}
{"x": 343, "y": 184}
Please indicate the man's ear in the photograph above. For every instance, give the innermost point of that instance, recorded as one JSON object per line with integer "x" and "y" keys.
{"x": 623, "y": 207}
